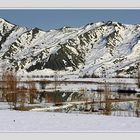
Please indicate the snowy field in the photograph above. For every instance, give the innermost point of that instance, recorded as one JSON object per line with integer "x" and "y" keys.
{"x": 17, "y": 121}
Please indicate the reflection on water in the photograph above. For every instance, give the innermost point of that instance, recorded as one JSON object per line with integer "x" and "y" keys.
{"x": 111, "y": 103}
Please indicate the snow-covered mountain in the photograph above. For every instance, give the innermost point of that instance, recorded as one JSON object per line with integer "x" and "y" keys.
{"x": 95, "y": 49}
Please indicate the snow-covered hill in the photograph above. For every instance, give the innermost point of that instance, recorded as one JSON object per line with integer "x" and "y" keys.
{"x": 96, "y": 49}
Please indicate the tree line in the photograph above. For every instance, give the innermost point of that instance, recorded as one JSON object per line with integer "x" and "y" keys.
{"x": 15, "y": 92}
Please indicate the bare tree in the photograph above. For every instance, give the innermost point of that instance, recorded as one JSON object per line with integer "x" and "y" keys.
{"x": 107, "y": 98}
{"x": 137, "y": 108}
{"x": 32, "y": 91}
{"x": 10, "y": 91}
{"x": 57, "y": 96}
{"x": 22, "y": 96}
{"x": 138, "y": 77}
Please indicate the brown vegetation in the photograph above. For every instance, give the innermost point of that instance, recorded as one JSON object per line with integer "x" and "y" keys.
{"x": 107, "y": 97}
{"x": 32, "y": 91}
{"x": 15, "y": 94}
{"x": 10, "y": 88}
{"x": 138, "y": 77}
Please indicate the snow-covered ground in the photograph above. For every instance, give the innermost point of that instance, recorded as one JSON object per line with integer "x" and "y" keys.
{"x": 17, "y": 121}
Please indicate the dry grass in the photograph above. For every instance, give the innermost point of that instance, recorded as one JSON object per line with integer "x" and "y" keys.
{"x": 26, "y": 108}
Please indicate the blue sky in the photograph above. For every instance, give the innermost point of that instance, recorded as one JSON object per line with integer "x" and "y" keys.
{"x": 52, "y": 19}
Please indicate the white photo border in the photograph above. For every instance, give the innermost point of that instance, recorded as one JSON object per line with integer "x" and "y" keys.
{"x": 70, "y": 4}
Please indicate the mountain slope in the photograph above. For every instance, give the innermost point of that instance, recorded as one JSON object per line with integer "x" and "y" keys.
{"x": 96, "y": 49}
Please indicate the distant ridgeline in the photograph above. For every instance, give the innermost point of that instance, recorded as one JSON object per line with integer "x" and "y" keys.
{"x": 94, "y": 50}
